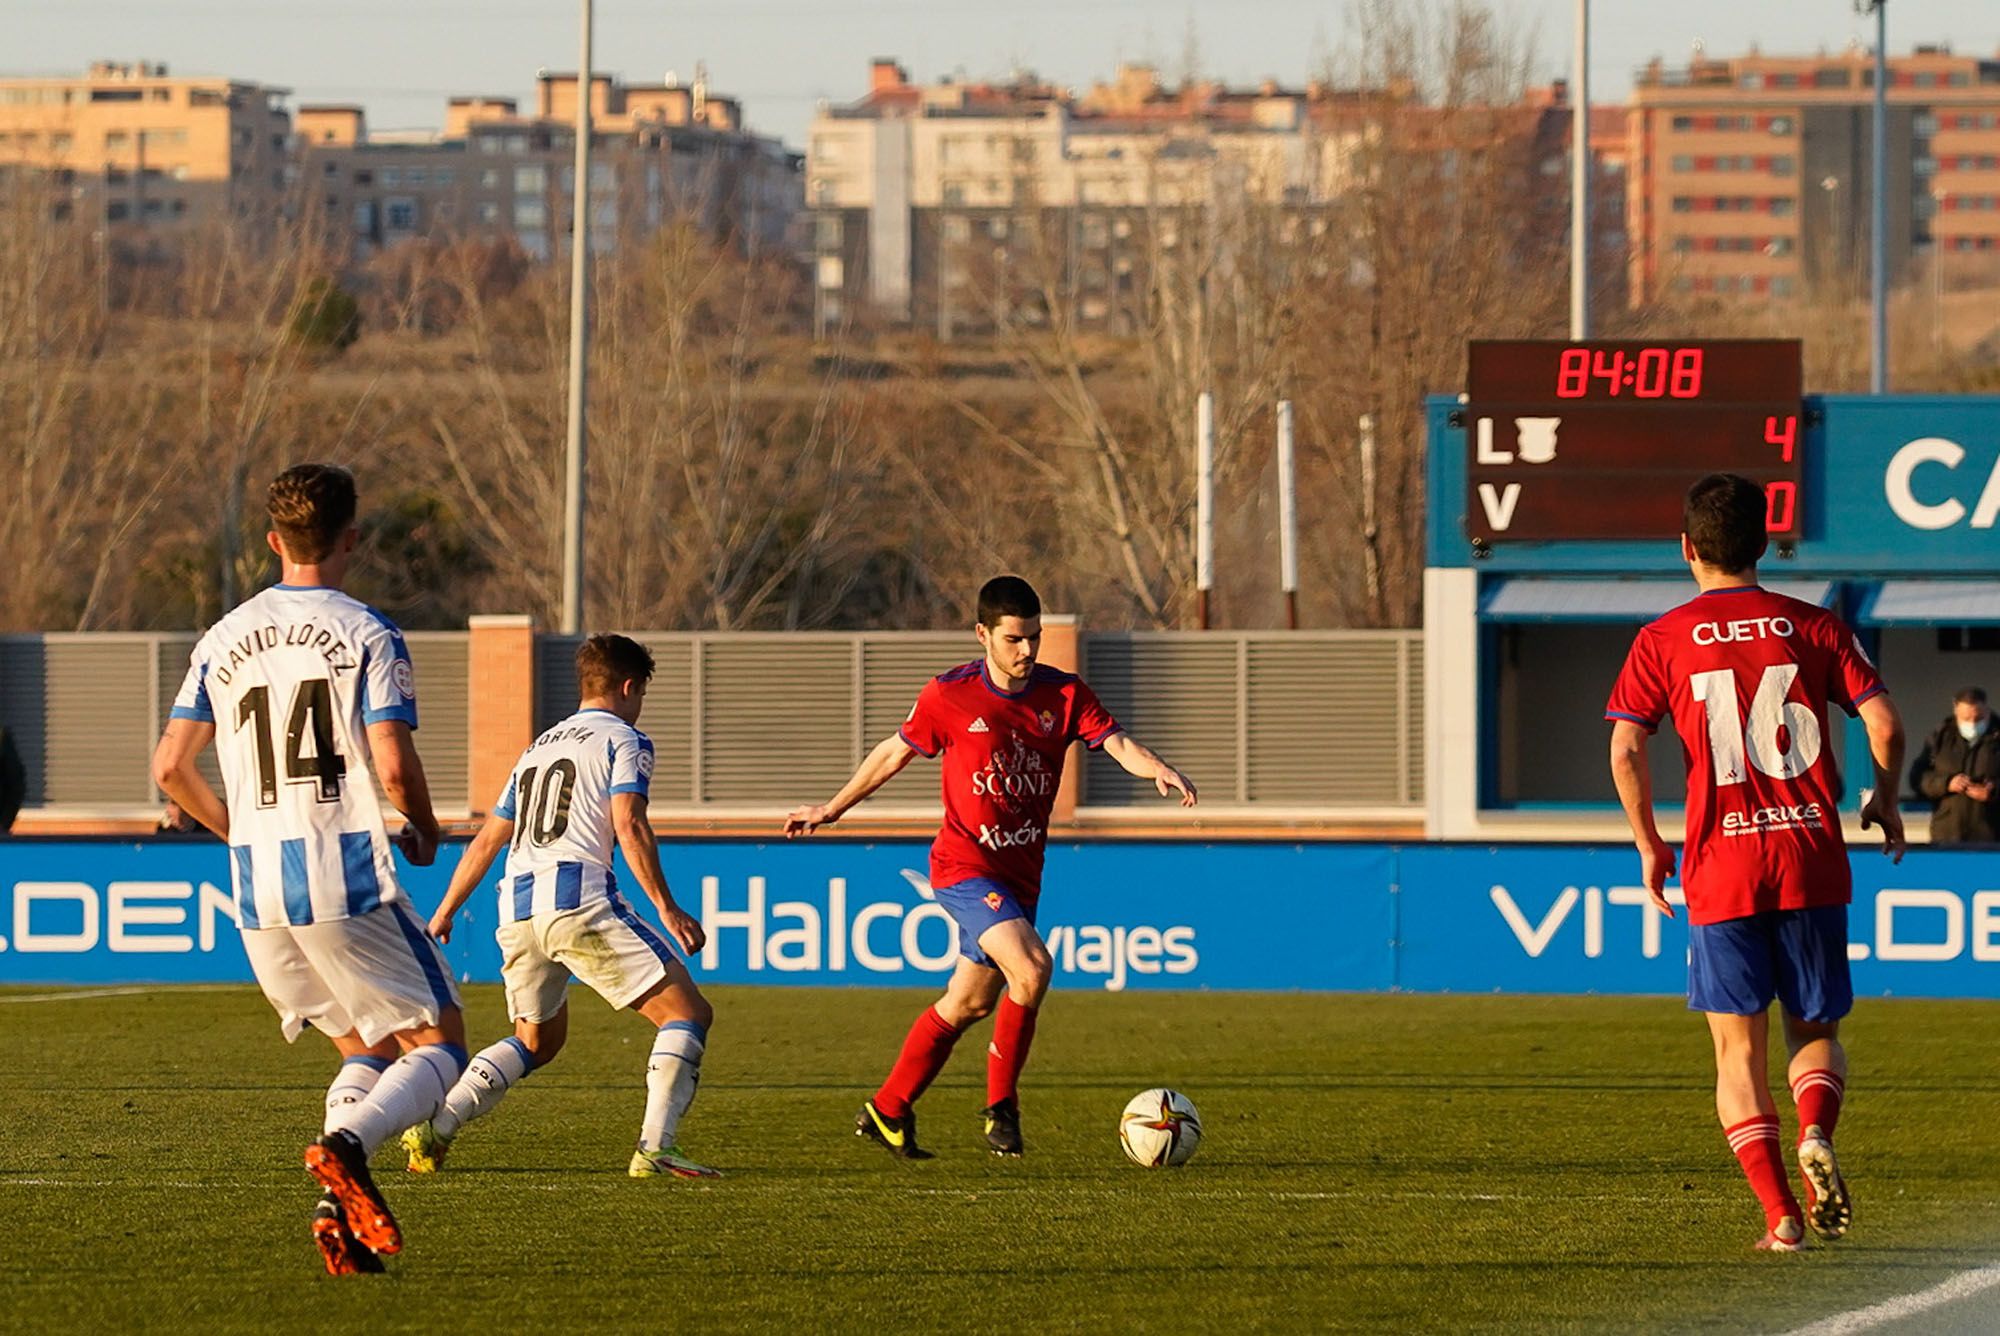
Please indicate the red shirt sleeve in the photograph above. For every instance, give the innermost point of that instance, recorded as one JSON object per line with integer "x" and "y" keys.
{"x": 925, "y": 729}
{"x": 1640, "y": 694}
{"x": 1090, "y": 722}
{"x": 1853, "y": 678}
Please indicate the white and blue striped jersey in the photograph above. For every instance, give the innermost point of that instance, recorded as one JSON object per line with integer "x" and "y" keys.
{"x": 291, "y": 680}
{"x": 559, "y": 799}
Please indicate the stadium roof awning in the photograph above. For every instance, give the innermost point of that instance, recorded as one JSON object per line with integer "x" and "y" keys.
{"x": 1932, "y": 603}
{"x": 1535, "y": 598}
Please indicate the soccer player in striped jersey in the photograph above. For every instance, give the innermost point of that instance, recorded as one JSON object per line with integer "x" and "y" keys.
{"x": 300, "y": 688}
{"x": 576, "y": 794}
{"x": 1750, "y": 679}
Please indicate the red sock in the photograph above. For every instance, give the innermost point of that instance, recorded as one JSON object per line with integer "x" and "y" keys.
{"x": 1818, "y": 1095}
{"x": 1013, "y": 1032}
{"x": 1755, "y": 1141}
{"x": 923, "y": 1057}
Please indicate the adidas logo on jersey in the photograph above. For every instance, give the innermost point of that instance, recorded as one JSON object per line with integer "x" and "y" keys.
{"x": 978, "y": 725}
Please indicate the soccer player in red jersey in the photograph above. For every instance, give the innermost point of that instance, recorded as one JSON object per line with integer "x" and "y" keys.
{"x": 1749, "y": 678}
{"x": 1003, "y": 724}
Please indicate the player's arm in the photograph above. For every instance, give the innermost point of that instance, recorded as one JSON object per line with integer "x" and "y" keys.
{"x": 1143, "y": 762}
{"x": 1885, "y": 747}
{"x": 1633, "y": 775}
{"x": 491, "y": 841}
{"x": 174, "y": 770}
{"x": 880, "y": 766}
{"x": 642, "y": 852}
{"x": 401, "y": 771}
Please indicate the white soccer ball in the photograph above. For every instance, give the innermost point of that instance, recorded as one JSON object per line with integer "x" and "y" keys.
{"x": 1159, "y": 1128}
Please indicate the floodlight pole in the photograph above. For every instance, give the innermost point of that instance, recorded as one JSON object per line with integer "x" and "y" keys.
{"x": 1204, "y": 506}
{"x": 1288, "y": 518}
{"x": 1579, "y": 188}
{"x": 1878, "y": 374}
{"x": 579, "y": 332}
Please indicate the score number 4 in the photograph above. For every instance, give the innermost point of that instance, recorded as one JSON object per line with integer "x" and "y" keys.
{"x": 1781, "y": 499}
{"x": 1773, "y": 720}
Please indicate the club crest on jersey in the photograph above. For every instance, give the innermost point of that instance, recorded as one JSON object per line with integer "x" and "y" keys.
{"x": 404, "y": 679}
{"x": 646, "y": 763}
{"x": 978, "y": 725}
{"x": 994, "y": 900}
{"x": 1047, "y": 720}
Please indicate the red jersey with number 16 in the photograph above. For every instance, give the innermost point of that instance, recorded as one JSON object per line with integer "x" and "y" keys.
{"x": 1749, "y": 677}
{"x": 1003, "y": 758}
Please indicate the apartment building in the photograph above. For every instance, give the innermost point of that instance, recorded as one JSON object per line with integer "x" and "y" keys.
{"x": 142, "y": 152}
{"x": 658, "y": 151}
{"x": 914, "y": 186}
{"x": 1753, "y": 174}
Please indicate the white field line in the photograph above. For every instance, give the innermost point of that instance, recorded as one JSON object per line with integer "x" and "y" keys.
{"x": 1950, "y": 1290}
{"x": 78, "y": 994}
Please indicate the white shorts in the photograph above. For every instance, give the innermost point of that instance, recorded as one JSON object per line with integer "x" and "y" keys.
{"x": 603, "y": 943}
{"x": 376, "y": 974}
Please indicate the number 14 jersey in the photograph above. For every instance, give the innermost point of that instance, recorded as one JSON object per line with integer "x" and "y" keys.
{"x": 559, "y": 799}
{"x": 1749, "y": 678}
{"x": 291, "y": 680}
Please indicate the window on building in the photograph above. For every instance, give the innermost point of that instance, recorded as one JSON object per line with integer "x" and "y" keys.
{"x": 1830, "y": 78}
{"x": 1926, "y": 79}
{"x": 603, "y": 177}
{"x": 364, "y": 217}
{"x": 530, "y": 212}
{"x": 535, "y": 243}
{"x": 1923, "y": 125}
{"x": 391, "y": 176}
{"x": 1683, "y": 122}
{"x": 114, "y": 95}
{"x": 489, "y": 178}
{"x": 827, "y": 231}
{"x": 400, "y": 215}
{"x": 1785, "y": 81}
{"x": 530, "y": 178}
{"x": 205, "y": 97}
{"x": 957, "y": 228}
{"x": 1781, "y": 125}
{"x": 363, "y": 177}
{"x": 489, "y": 212}
{"x": 61, "y": 141}
{"x": 1779, "y": 246}
{"x": 117, "y": 141}
{"x": 117, "y": 211}
{"x": 1683, "y": 245}
{"x": 954, "y": 195}
{"x": 1782, "y": 207}
{"x": 1683, "y": 162}
{"x": 1682, "y": 204}
{"x": 444, "y": 176}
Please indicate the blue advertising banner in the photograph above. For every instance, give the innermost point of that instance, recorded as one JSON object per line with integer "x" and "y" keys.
{"x": 1243, "y": 915}
{"x": 1115, "y": 916}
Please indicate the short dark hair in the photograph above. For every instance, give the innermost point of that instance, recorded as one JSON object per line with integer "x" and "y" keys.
{"x": 311, "y": 506}
{"x": 1970, "y": 696}
{"x": 1007, "y": 596}
{"x": 1725, "y": 521}
{"x": 606, "y": 661}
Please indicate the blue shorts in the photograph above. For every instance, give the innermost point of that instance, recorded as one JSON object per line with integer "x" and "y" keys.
{"x": 975, "y": 905}
{"x": 1798, "y": 956}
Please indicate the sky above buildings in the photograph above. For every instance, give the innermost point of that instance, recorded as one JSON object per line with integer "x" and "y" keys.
{"x": 402, "y": 58}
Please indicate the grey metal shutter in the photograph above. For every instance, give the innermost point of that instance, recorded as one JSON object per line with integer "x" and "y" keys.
{"x": 1175, "y": 691}
{"x": 439, "y": 661}
{"x": 555, "y": 679}
{"x": 1325, "y": 727}
{"x": 22, "y": 665}
{"x": 894, "y": 668}
{"x": 98, "y": 705}
{"x": 1413, "y": 720}
{"x": 778, "y": 717}
{"x": 172, "y": 653}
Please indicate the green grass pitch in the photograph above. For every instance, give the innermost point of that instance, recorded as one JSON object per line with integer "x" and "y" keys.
{"x": 1370, "y": 1162}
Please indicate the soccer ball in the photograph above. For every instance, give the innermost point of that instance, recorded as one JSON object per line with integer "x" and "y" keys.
{"x": 1159, "y": 1128}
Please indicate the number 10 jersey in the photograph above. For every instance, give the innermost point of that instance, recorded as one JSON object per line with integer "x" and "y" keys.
{"x": 559, "y": 799}
{"x": 1750, "y": 678}
{"x": 291, "y": 680}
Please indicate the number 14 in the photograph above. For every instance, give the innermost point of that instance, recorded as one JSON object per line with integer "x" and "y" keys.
{"x": 1771, "y": 716}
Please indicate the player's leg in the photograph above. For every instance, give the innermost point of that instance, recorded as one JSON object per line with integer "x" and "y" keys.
{"x": 1731, "y": 980}
{"x": 1024, "y": 961}
{"x": 890, "y": 1118}
{"x": 537, "y": 989}
{"x": 390, "y": 977}
{"x": 681, "y": 1018}
{"x": 1817, "y": 991}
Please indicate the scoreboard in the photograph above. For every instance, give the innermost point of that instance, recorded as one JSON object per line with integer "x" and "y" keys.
{"x": 1601, "y": 440}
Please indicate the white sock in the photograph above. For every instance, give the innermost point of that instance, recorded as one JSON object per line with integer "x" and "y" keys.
{"x": 351, "y": 1084}
{"x": 486, "y": 1079}
{"x": 672, "y": 1072}
{"x": 412, "y": 1090}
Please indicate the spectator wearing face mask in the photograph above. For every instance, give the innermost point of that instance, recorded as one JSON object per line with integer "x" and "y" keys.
{"x": 1959, "y": 771}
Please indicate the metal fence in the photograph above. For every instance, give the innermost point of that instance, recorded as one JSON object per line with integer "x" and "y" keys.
{"x": 1306, "y": 721}
{"x": 85, "y": 710}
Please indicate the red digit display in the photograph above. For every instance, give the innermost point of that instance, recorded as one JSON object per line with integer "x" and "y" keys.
{"x": 1650, "y": 381}
{"x": 1608, "y": 367}
{"x": 1687, "y": 373}
{"x": 1783, "y": 432}
{"x": 1573, "y": 374}
{"x": 1781, "y": 505}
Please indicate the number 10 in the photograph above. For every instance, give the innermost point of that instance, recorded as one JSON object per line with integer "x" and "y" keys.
{"x": 1770, "y": 713}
